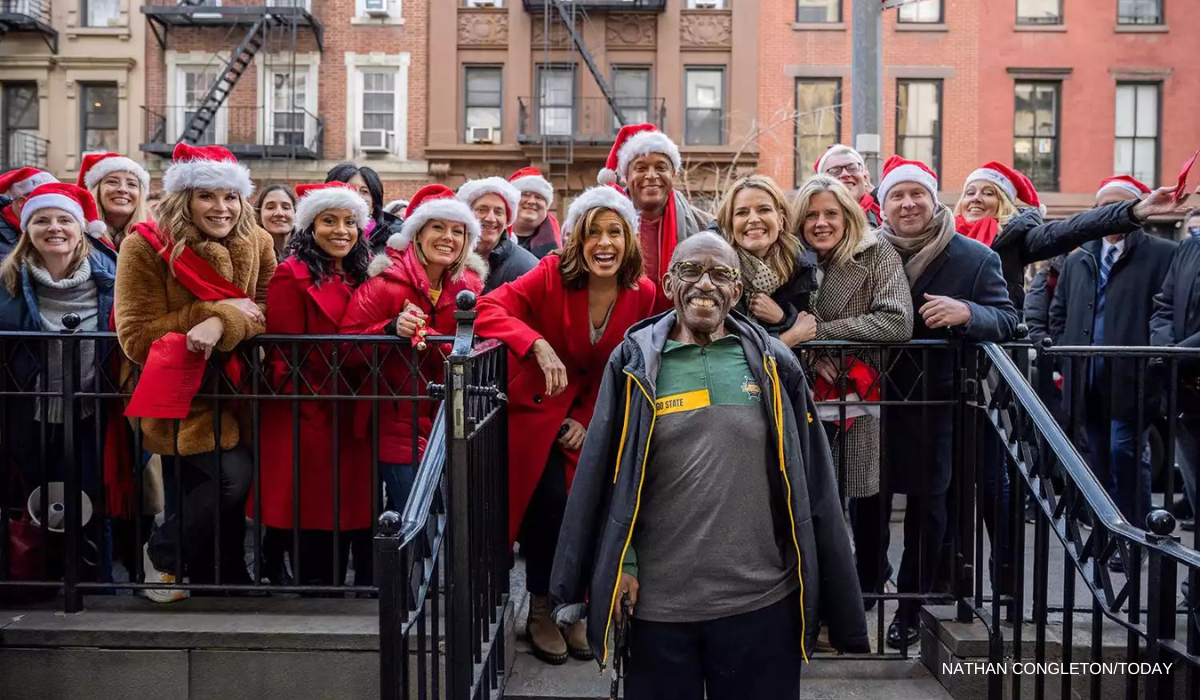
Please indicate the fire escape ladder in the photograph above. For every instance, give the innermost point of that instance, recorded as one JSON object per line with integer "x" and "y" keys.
{"x": 238, "y": 63}
{"x": 564, "y": 14}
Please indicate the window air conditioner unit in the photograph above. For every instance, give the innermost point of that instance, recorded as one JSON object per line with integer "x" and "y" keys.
{"x": 482, "y": 134}
{"x": 376, "y": 8}
{"x": 375, "y": 141}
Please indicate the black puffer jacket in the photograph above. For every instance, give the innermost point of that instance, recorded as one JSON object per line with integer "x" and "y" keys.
{"x": 602, "y": 508}
{"x": 793, "y": 297}
{"x": 384, "y": 229}
{"x": 8, "y": 234}
{"x": 1027, "y": 239}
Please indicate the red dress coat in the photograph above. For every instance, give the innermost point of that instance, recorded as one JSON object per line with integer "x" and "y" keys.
{"x": 539, "y": 306}
{"x": 298, "y": 306}
{"x": 398, "y": 280}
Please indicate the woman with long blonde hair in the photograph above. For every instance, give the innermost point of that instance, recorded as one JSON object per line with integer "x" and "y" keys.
{"x": 779, "y": 275}
{"x": 864, "y": 296}
{"x": 120, "y": 187}
{"x": 202, "y": 273}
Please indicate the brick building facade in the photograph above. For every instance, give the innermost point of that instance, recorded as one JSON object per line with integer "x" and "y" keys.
{"x": 1036, "y": 83}
{"x": 330, "y": 81}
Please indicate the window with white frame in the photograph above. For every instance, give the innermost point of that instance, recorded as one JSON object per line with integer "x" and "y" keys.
{"x": 288, "y": 116}
{"x": 631, "y": 88}
{"x": 482, "y": 98}
{"x": 1139, "y": 12}
{"x": 704, "y": 95}
{"x": 101, "y": 13}
{"x": 378, "y": 9}
{"x": 556, "y": 100}
{"x": 1136, "y": 148}
{"x": 192, "y": 85}
{"x": 818, "y": 11}
{"x": 921, "y": 12}
{"x": 378, "y": 132}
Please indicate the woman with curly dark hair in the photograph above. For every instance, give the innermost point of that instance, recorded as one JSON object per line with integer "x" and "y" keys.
{"x": 309, "y": 293}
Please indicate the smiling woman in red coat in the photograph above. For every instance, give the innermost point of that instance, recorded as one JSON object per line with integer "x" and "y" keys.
{"x": 410, "y": 293}
{"x": 560, "y": 322}
{"x": 309, "y": 295}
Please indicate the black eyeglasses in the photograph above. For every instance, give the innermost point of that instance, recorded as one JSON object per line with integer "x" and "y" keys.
{"x": 691, "y": 273}
{"x": 850, "y": 169}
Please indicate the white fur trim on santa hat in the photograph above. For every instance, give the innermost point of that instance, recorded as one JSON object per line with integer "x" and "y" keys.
{"x": 472, "y": 190}
{"x": 601, "y": 196}
{"x": 28, "y": 185}
{"x": 116, "y": 164}
{"x": 994, "y": 177}
{"x": 907, "y": 173}
{"x": 444, "y": 208}
{"x": 644, "y": 143}
{"x": 52, "y": 200}
{"x": 537, "y": 185}
{"x": 1122, "y": 185}
{"x": 317, "y": 201}
{"x": 208, "y": 175}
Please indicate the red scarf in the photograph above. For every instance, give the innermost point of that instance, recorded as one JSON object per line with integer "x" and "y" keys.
{"x": 11, "y": 217}
{"x": 870, "y": 206}
{"x": 668, "y": 238}
{"x": 984, "y": 230}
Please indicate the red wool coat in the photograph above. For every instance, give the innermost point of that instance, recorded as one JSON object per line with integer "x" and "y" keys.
{"x": 537, "y": 306}
{"x": 398, "y": 277}
{"x": 298, "y": 306}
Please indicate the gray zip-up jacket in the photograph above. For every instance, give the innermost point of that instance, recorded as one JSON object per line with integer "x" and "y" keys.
{"x": 606, "y": 492}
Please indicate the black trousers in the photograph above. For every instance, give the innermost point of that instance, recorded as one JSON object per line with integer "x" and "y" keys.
{"x": 753, "y": 655}
{"x": 543, "y": 519}
{"x": 924, "y": 532}
{"x": 313, "y": 566}
{"x": 869, "y": 525}
{"x": 215, "y": 486}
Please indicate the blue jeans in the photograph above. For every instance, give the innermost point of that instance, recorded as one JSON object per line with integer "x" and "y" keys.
{"x": 1128, "y": 471}
{"x": 398, "y": 480}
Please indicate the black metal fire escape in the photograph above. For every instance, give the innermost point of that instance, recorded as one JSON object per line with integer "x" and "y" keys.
{"x": 28, "y": 16}
{"x": 566, "y": 13}
{"x": 237, "y": 65}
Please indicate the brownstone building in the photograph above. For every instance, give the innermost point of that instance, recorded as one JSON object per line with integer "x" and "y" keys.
{"x": 1068, "y": 91}
{"x": 518, "y": 82}
{"x": 291, "y": 86}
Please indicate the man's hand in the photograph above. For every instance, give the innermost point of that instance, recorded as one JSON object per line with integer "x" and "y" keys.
{"x": 627, "y": 584}
{"x": 572, "y": 439}
{"x": 205, "y": 335}
{"x": 765, "y": 309}
{"x": 826, "y": 370}
{"x": 1159, "y": 203}
{"x": 552, "y": 367}
{"x": 945, "y": 312}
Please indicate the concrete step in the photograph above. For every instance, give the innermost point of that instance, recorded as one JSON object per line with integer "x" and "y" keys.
{"x": 824, "y": 679}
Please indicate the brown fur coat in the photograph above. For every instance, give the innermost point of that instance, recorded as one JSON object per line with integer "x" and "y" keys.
{"x": 151, "y": 303}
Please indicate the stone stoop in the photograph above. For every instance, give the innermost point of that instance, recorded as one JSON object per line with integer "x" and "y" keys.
{"x": 945, "y": 642}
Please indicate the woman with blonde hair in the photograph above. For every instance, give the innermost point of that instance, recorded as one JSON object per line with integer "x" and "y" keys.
{"x": 778, "y": 273}
{"x": 120, "y": 187}
{"x": 200, "y": 273}
{"x": 561, "y": 321}
{"x": 863, "y": 296}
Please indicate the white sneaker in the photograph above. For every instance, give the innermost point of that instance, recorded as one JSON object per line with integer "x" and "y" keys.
{"x": 153, "y": 575}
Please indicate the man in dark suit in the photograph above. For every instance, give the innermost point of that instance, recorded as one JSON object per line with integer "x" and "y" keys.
{"x": 1176, "y": 322}
{"x": 959, "y": 292}
{"x": 1105, "y": 297}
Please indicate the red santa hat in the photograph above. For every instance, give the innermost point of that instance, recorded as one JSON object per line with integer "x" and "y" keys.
{"x": 634, "y": 141}
{"x": 897, "y": 170}
{"x": 72, "y": 199}
{"x": 862, "y": 384}
{"x": 434, "y": 202}
{"x": 602, "y": 196}
{"x": 836, "y": 149}
{"x": 317, "y": 198}
{"x": 1124, "y": 182}
{"x": 206, "y": 167}
{"x": 97, "y": 166}
{"x": 471, "y": 190}
{"x": 20, "y": 182}
{"x": 532, "y": 180}
{"x": 1014, "y": 184}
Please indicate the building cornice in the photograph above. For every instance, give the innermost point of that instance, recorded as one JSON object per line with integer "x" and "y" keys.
{"x": 96, "y": 63}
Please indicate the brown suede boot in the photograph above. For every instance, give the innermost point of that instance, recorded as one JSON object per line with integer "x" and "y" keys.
{"x": 544, "y": 637}
{"x": 577, "y": 642}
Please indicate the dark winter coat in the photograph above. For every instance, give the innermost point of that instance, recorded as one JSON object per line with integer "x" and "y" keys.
{"x": 545, "y": 239}
{"x": 1039, "y": 296}
{"x": 602, "y": 508}
{"x": 920, "y": 440}
{"x": 1026, "y": 239}
{"x": 1134, "y": 280}
{"x": 507, "y": 262}
{"x": 1176, "y": 321}
{"x": 384, "y": 229}
{"x": 8, "y": 233}
{"x": 793, "y": 296}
